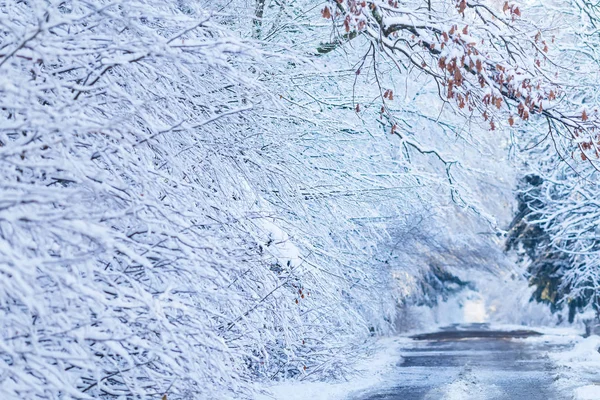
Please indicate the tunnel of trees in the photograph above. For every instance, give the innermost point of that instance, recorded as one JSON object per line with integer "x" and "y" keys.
{"x": 199, "y": 194}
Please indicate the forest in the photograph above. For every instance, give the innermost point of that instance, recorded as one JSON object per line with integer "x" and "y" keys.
{"x": 198, "y": 197}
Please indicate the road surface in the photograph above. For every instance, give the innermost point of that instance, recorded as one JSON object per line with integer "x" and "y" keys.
{"x": 473, "y": 362}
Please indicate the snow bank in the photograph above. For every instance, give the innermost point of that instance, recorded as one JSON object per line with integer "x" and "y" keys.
{"x": 578, "y": 368}
{"x": 371, "y": 372}
{"x": 588, "y": 392}
{"x": 586, "y": 351}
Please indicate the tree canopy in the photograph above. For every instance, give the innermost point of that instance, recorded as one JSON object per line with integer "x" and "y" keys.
{"x": 199, "y": 194}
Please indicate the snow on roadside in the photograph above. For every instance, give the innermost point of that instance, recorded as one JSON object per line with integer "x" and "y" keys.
{"x": 579, "y": 368}
{"x": 588, "y": 392}
{"x": 371, "y": 372}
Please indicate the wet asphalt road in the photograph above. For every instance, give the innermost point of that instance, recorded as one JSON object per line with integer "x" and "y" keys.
{"x": 473, "y": 362}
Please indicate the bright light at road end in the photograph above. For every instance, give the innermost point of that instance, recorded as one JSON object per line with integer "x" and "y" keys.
{"x": 474, "y": 311}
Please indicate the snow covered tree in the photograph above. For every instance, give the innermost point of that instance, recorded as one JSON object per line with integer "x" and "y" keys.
{"x": 179, "y": 215}
{"x": 501, "y": 62}
{"x": 558, "y": 212}
{"x": 484, "y": 56}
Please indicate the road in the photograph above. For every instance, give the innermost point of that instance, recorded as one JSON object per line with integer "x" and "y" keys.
{"x": 473, "y": 362}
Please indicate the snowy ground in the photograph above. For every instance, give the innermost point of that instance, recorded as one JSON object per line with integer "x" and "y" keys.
{"x": 557, "y": 365}
{"x": 372, "y": 372}
{"x": 579, "y": 368}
